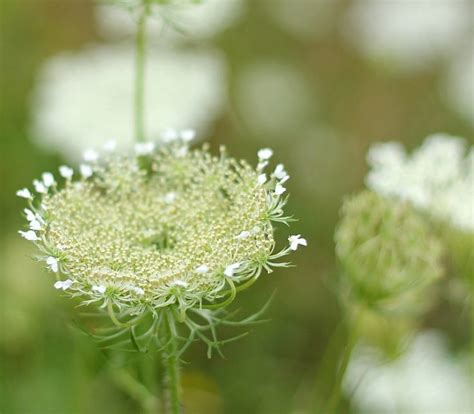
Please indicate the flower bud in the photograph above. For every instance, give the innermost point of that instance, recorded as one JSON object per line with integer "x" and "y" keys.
{"x": 386, "y": 249}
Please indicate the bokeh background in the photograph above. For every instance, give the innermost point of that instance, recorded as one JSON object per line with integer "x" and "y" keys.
{"x": 318, "y": 81}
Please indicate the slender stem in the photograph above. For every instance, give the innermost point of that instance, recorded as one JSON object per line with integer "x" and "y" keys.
{"x": 335, "y": 398}
{"x": 140, "y": 58}
{"x": 172, "y": 386}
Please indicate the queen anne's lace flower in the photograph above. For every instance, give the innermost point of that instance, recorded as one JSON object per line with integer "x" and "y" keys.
{"x": 438, "y": 177}
{"x": 122, "y": 240}
{"x": 386, "y": 249}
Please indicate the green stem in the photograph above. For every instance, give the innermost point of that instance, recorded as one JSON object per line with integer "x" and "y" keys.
{"x": 335, "y": 398}
{"x": 140, "y": 57}
{"x": 171, "y": 386}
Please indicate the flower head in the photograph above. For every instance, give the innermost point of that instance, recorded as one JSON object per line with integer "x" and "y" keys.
{"x": 386, "y": 249}
{"x": 121, "y": 238}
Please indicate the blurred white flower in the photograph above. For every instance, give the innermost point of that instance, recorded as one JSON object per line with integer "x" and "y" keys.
{"x": 199, "y": 21}
{"x": 24, "y": 193}
{"x": 83, "y": 100}
{"x": 296, "y": 241}
{"x": 407, "y": 33}
{"x": 459, "y": 86}
{"x": 437, "y": 177}
{"x": 424, "y": 379}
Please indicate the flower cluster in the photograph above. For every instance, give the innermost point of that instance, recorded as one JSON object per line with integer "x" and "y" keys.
{"x": 166, "y": 226}
{"x": 436, "y": 178}
{"x": 386, "y": 249}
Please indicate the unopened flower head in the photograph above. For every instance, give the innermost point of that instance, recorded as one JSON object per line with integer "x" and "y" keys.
{"x": 386, "y": 249}
{"x": 162, "y": 227}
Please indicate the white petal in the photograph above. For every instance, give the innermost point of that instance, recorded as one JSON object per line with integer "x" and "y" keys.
{"x": 30, "y": 216}
{"x": 99, "y": 288}
{"x": 202, "y": 269}
{"x": 243, "y": 235}
{"x": 24, "y": 193}
{"x": 279, "y": 189}
{"x": 262, "y": 179}
{"x": 188, "y": 135}
{"x": 40, "y": 187}
{"x": 29, "y": 235}
{"x": 180, "y": 283}
{"x": 35, "y": 225}
{"x": 52, "y": 263}
{"x": 265, "y": 154}
{"x": 86, "y": 170}
{"x": 229, "y": 270}
{"x": 66, "y": 172}
{"x": 90, "y": 155}
{"x": 48, "y": 179}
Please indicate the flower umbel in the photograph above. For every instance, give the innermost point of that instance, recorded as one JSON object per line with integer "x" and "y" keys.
{"x": 122, "y": 241}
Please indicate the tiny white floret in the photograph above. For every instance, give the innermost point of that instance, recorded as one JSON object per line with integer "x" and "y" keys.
{"x": 279, "y": 189}
{"x": 188, "y": 135}
{"x": 29, "y": 235}
{"x": 265, "y": 154}
{"x": 261, "y": 165}
{"x": 280, "y": 172}
{"x": 202, "y": 269}
{"x": 24, "y": 193}
{"x": 243, "y": 235}
{"x": 180, "y": 283}
{"x": 30, "y": 216}
{"x": 48, "y": 179}
{"x": 86, "y": 170}
{"x": 169, "y": 197}
{"x": 53, "y": 263}
{"x": 296, "y": 241}
{"x": 262, "y": 179}
{"x": 99, "y": 288}
{"x": 66, "y": 172}
{"x": 64, "y": 285}
{"x": 40, "y": 187}
{"x": 35, "y": 225}
{"x": 90, "y": 155}
{"x": 230, "y": 270}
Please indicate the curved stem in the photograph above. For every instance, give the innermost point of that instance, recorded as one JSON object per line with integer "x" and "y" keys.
{"x": 171, "y": 386}
{"x": 140, "y": 57}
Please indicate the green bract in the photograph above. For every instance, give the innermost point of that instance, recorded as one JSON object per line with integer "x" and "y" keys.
{"x": 167, "y": 227}
{"x": 386, "y": 249}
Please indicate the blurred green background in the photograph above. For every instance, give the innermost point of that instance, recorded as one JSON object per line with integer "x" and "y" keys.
{"x": 320, "y": 121}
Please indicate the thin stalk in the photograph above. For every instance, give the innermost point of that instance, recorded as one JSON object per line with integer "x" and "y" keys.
{"x": 140, "y": 60}
{"x": 172, "y": 385}
{"x": 335, "y": 398}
